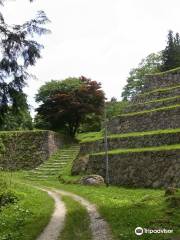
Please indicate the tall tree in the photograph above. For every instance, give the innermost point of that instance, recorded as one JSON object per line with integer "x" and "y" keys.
{"x": 66, "y": 104}
{"x": 171, "y": 53}
{"x": 135, "y": 81}
{"x": 18, "y": 51}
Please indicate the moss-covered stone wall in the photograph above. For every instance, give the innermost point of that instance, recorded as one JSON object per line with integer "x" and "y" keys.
{"x": 131, "y": 142}
{"x": 27, "y": 149}
{"x": 140, "y": 169}
{"x": 146, "y": 121}
{"x": 161, "y": 80}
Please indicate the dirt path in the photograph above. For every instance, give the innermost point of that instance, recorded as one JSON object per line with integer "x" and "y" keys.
{"x": 56, "y": 224}
{"x": 99, "y": 227}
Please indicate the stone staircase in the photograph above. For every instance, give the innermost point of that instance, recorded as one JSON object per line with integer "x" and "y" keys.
{"x": 144, "y": 141}
{"x": 51, "y": 169}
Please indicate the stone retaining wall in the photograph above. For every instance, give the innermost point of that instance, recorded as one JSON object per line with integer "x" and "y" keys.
{"x": 163, "y": 119}
{"x": 156, "y": 95}
{"x": 140, "y": 169}
{"x": 131, "y": 142}
{"x": 27, "y": 149}
{"x": 151, "y": 105}
{"x": 161, "y": 81}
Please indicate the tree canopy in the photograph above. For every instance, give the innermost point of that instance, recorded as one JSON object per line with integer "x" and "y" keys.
{"x": 66, "y": 104}
{"x": 19, "y": 50}
{"x": 135, "y": 82}
{"x": 171, "y": 53}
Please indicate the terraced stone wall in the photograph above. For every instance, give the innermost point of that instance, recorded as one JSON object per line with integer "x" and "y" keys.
{"x": 152, "y": 104}
{"x": 142, "y": 169}
{"x": 27, "y": 149}
{"x": 131, "y": 142}
{"x": 161, "y": 81}
{"x": 164, "y": 119}
{"x": 140, "y": 154}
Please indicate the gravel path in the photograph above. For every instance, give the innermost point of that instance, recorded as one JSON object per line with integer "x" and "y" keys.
{"x": 99, "y": 227}
{"x": 56, "y": 224}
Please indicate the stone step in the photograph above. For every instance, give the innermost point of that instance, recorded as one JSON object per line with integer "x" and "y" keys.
{"x": 36, "y": 174}
{"x": 162, "y": 118}
{"x": 46, "y": 169}
{"x": 52, "y": 168}
{"x": 55, "y": 164}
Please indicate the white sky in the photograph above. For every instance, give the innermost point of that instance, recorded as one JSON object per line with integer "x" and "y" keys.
{"x": 100, "y": 39}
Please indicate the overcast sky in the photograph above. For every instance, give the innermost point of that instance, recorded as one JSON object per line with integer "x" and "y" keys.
{"x": 100, "y": 39}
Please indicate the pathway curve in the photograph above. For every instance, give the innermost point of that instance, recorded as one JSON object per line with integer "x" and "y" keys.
{"x": 56, "y": 224}
{"x": 99, "y": 227}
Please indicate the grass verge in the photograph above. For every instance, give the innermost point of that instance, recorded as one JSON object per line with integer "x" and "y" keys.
{"x": 77, "y": 221}
{"x": 125, "y": 209}
{"x": 25, "y": 219}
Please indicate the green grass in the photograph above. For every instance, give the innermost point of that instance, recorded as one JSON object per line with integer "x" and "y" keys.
{"x": 87, "y": 137}
{"x": 25, "y": 219}
{"x": 91, "y": 136}
{"x": 145, "y": 149}
{"x": 173, "y": 71}
{"x": 125, "y": 209}
{"x": 77, "y": 224}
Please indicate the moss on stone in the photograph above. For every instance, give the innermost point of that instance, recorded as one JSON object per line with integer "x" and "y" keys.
{"x": 146, "y": 149}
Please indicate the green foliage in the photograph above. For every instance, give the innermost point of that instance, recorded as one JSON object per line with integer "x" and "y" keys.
{"x": 77, "y": 224}
{"x": 18, "y": 52}
{"x": 91, "y": 123}
{"x": 67, "y": 104}
{"x": 54, "y": 86}
{"x": 171, "y": 54}
{"x": 135, "y": 82}
{"x": 18, "y": 120}
{"x": 7, "y": 197}
{"x": 114, "y": 108}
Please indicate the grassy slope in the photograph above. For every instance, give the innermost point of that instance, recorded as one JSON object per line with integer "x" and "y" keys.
{"x": 125, "y": 209}
{"x": 25, "y": 219}
{"x": 77, "y": 221}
